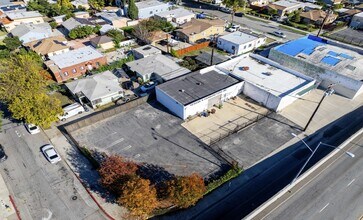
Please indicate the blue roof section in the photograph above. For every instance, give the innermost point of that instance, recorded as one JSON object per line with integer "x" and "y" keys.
{"x": 305, "y": 45}
{"x": 346, "y": 56}
{"x": 332, "y": 61}
{"x": 332, "y": 53}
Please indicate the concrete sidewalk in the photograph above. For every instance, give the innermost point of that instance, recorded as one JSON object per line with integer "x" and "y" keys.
{"x": 7, "y": 210}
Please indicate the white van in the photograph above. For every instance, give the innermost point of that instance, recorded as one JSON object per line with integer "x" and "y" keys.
{"x": 71, "y": 110}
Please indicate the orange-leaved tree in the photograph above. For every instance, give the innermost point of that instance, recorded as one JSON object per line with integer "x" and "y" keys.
{"x": 115, "y": 171}
{"x": 185, "y": 191}
{"x": 139, "y": 197}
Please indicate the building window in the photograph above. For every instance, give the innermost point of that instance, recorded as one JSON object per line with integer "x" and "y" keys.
{"x": 244, "y": 47}
{"x": 74, "y": 71}
{"x": 97, "y": 64}
{"x": 250, "y": 45}
{"x": 65, "y": 73}
{"x": 82, "y": 67}
{"x": 151, "y": 12}
{"x": 233, "y": 48}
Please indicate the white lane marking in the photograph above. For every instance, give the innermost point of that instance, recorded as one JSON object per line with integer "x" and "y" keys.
{"x": 128, "y": 147}
{"x": 115, "y": 142}
{"x": 50, "y": 214}
{"x": 351, "y": 182}
{"x": 324, "y": 207}
{"x": 17, "y": 133}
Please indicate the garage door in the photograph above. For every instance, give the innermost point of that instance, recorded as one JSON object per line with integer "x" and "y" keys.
{"x": 214, "y": 101}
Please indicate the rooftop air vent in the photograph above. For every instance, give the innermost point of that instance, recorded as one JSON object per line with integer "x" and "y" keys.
{"x": 267, "y": 73}
{"x": 244, "y": 68}
{"x": 181, "y": 90}
{"x": 199, "y": 83}
{"x": 147, "y": 48}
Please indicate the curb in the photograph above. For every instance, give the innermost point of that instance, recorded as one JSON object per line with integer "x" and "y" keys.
{"x": 15, "y": 207}
{"x": 302, "y": 177}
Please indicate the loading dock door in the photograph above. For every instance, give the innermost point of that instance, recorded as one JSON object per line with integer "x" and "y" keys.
{"x": 215, "y": 101}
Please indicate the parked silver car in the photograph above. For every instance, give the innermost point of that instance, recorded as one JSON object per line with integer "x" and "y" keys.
{"x": 50, "y": 153}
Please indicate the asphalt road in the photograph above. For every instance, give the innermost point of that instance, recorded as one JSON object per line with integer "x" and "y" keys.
{"x": 41, "y": 190}
{"x": 337, "y": 193}
{"x": 265, "y": 27}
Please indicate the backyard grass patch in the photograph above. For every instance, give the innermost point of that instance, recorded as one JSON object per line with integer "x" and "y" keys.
{"x": 232, "y": 173}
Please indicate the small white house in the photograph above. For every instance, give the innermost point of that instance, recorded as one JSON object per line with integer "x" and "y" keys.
{"x": 238, "y": 43}
{"x": 198, "y": 91}
{"x": 178, "y": 16}
{"x": 149, "y": 8}
{"x": 97, "y": 90}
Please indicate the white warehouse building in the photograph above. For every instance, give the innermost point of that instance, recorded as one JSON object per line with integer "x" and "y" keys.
{"x": 267, "y": 82}
{"x": 240, "y": 42}
{"x": 197, "y": 91}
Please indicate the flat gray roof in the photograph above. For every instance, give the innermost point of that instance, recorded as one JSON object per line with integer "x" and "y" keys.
{"x": 175, "y": 13}
{"x": 159, "y": 64}
{"x": 239, "y": 37}
{"x": 197, "y": 85}
{"x": 149, "y": 3}
{"x": 75, "y": 57}
{"x": 266, "y": 76}
{"x": 13, "y": 15}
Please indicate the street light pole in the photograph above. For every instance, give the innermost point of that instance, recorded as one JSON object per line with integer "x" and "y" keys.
{"x": 329, "y": 91}
{"x": 312, "y": 154}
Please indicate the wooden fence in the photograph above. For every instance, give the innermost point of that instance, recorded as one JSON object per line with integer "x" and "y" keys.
{"x": 192, "y": 48}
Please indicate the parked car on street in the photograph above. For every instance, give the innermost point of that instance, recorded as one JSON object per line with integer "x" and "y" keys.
{"x": 233, "y": 28}
{"x": 71, "y": 110}
{"x": 148, "y": 86}
{"x": 50, "y": 153}
{"x": 239, "y": 14}
{"x": 3, "y": 155}
{"x": 32, "y": 129}
{"x": 225, "y": 10}
{"x": 279, "y": 34}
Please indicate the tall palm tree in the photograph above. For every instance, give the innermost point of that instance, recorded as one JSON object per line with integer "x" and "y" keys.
{"x": 234, "y": 5}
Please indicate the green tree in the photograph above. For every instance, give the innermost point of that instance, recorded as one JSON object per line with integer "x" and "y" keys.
{"x": 82, "y": 31}
{"x": 23, "y": 89}
{"x": 139, "y": 197}
{"x": 296, "y": 18}
{"x": 64, "y": 3}
{"x": 4, "y": 54}
{"x": 187, "y": 190}
{"x": 234, "y": 5}
{"x": 133, "y": 11}
{"x": 117, "y": 36}
{"x": 53, "y": 24}
{"x": 12, "y": 43}
{"x": 96, "y": 4}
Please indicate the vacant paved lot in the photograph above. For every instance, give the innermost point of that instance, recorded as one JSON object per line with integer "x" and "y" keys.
{"x": 150, "y": 134}
{"x": 234, "y": 115}
{"x": 258, "y": 140}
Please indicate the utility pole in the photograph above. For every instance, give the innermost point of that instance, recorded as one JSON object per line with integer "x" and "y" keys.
{"x": 214, "y": 42}
{"x": 329, "y": 91}
{"x": 322, "y": 24}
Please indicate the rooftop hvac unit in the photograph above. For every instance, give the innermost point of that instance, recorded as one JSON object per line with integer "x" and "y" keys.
{"x": 244, "y": 68}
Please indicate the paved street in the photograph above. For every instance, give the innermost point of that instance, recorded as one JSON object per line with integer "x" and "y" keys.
{"x": 335, "y": 194}
{"x": 41, "y": 190}
{"x": 259, "y": 26}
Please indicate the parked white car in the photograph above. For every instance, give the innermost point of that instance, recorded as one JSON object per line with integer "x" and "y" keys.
{"x": 32, "y": 129}
{"x": 233, "y": 28}
{"x": 71, "y": 110}
{"x": 279, "y": 34}
{"x": 50, "y": 153}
